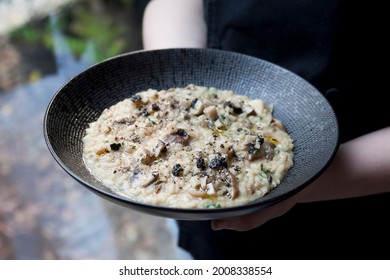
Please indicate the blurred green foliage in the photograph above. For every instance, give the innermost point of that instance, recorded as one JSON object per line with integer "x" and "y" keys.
{"x": 80, "y": 24}
{"x": 27, "y": 34}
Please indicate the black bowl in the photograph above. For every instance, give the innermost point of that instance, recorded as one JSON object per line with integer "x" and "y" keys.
{"x": 306, "y": 114}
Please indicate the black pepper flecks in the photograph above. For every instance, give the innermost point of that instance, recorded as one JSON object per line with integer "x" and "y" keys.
{"x": 144, "y": 113}
{"x": 135, "y": 98}
{"x": 155, "y": 107}
{"x": 193, "y": 102}
{"x": 200, "y": 163}
{"x": 236, "y": 110}
{"x": 181, "y": 132}
{"x": 115, "y": 146}
{"x": 218, "y": 162}
{"x": 260, "y": 139}
{"x": 177, "y": 170}
{"x": 252, "y": 149}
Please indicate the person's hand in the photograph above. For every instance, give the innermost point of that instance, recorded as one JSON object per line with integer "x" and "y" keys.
{"x": 256, "y": 219}
{"x": 361, "y": 167}
{"x": 174, "y": 24}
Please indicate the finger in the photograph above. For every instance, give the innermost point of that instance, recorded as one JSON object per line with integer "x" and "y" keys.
{"x": 253, "y": 220}
{"x": 241, "y": 223}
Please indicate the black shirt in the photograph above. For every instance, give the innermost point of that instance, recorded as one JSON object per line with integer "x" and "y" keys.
{"x": 337, "y": 46}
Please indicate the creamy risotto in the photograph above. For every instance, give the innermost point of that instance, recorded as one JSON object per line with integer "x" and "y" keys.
{"x": 192, "y": 147}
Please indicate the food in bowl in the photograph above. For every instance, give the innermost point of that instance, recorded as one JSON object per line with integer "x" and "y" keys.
{"x": 190, "y": 147}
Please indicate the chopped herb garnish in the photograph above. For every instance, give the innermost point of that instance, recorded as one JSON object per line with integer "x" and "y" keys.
{"x": 226, "y": 121}
{"x": 213, "y": 205}
{"x": 151, "y": 121}
{"x": 265, "y": 173}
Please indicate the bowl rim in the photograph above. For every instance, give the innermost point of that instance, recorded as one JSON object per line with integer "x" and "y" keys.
{"x": 184, "y": 213}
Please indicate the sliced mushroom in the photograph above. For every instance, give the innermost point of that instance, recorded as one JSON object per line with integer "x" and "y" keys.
{"x": 235, "y": 192}
{"x": 203, "y": 182}
{"x": 180, "y": 136}
{"x": 185, "y": 102}
{"x": 127, "y": 121}
{"x": 173, "y": 103}
{"x": 277, "y": 124}
{"x": 235, "y": 106}
{"x": 258, "y": 105}
{"x": 211, "y": 189}
{"x": 248, "y": 110}
{"x": 231, "y": 184}
{"x": 137, "y": 100}
{"x": 196, "y": 193}
{"x": 157, "y": 187}
{"x": 144, "y": 156}
{"x": 195, "y": 187}
{"x": 219, "y": 125}
{"x": 267, "y": 150}
{"x": 160, "y": 149}
{"x": 197, "y": 107}
{"x": 211, "y": 113}
{"x": 230, "y": 153}
{"x": 195, "y": 182}
{"x": 141, "y": 179}
{"x": 102, "y": 151}
{"x": 249, "y": 139}
{"x": 254, "y": 150}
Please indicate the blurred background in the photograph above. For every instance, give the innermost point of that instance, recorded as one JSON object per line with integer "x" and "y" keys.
{"x": 44, "y": 213}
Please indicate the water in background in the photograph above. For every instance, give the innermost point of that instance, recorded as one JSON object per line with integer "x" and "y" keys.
{"x": 45, "y": 214}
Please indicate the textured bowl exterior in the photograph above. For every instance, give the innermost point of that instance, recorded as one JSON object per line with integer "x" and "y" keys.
{"x": 306, "y": 114}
